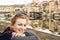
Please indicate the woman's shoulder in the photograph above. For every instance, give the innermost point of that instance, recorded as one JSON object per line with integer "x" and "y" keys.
{"x": 6, "y": 35}
{"x": 7, "y": 31}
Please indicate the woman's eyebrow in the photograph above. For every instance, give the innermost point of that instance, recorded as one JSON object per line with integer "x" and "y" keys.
{"x": 20, "y": 24}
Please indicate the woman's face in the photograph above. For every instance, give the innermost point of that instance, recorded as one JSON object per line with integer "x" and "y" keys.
{"x": 20, "y": 24}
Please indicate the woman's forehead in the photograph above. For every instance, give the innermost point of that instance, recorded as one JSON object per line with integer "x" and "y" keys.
{"x": 21, "y": 20}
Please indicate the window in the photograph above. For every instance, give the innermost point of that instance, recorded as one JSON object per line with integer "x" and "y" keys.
{"x": 35, "y": 15}
{"x": 56, "y": 16}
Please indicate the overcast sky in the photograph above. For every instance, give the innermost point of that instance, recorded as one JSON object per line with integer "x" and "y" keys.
{"x": 12, "y": 2}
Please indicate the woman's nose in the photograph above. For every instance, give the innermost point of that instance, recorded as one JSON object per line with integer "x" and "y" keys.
{"x": 23, "y": 26}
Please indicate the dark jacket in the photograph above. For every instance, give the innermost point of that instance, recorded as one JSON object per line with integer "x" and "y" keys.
{"x": 7, "y": 35}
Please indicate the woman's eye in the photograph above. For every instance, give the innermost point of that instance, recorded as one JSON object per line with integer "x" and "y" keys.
{"x": 19, "y": 24}
{"x": 25, "y": 25}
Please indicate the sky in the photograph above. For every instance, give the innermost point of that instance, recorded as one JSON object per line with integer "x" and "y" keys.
{"x": 12, "y": 2}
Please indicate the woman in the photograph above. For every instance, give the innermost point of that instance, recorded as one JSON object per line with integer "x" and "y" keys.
{"x": 17, "y": 30}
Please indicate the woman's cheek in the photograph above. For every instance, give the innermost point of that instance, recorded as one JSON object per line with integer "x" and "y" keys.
{"x": 19, "y": 26}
